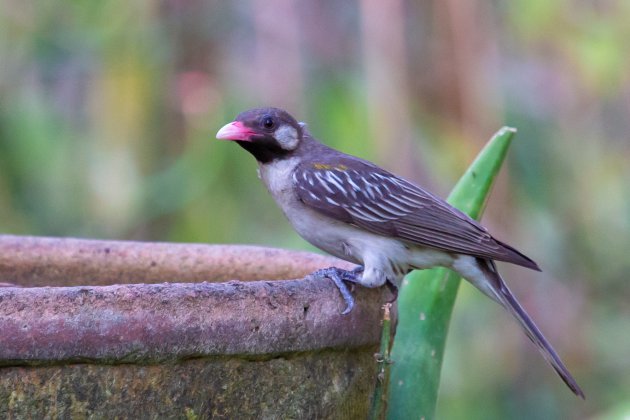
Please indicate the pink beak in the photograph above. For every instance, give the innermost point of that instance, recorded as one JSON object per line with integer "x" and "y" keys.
{"x": 235, "y": 131}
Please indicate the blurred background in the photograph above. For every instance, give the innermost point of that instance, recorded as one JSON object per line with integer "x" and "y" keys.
{"x": 108, "y": 112}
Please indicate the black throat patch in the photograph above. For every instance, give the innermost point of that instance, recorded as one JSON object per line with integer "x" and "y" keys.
{"x": 264, "y": 150}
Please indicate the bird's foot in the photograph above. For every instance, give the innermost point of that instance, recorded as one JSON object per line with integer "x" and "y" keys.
{"x": 339, "y": 276}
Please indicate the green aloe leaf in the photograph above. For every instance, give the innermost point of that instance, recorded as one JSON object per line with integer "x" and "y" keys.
{"x": 426, "y": 300}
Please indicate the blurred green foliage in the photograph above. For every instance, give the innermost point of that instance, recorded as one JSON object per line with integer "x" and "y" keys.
{"x": 108, "y": 112}
{"x": 427, "y": 298}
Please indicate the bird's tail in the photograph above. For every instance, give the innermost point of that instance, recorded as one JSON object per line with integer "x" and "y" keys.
{"x": 504, "y": 296}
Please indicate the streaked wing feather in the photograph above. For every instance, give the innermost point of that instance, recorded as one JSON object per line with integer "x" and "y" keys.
{"x": 354, "y": 191}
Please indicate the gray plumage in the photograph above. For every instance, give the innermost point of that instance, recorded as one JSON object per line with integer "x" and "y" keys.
{"x": 361, "y": 213}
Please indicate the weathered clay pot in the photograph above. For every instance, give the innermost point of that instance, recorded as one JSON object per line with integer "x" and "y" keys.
{"x": 105, "y": 329}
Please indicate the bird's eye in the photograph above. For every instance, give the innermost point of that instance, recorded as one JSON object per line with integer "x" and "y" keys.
{"x": 268, "y": 122}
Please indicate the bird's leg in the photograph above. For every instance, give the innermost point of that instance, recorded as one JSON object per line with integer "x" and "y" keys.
{"x": 353, "y": 275}
{"x": 338, "y": 276}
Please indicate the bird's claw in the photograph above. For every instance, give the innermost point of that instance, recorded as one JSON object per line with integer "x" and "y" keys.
{"x": 339, "y": 276}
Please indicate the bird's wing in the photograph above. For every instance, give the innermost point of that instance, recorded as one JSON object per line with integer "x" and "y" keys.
{"x": 359, "y": 193}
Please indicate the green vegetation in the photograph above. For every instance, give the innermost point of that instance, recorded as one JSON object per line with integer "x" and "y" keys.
{"x": 427, "y": 297}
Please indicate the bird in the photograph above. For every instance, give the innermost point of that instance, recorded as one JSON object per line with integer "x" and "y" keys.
{"x": 388, "y": 226}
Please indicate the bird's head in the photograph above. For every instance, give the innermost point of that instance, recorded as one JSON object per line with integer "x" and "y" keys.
{"x": 267, "y": 133}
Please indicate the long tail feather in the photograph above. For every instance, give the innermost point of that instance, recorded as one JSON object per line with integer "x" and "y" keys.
{"x": 505, "y": 297}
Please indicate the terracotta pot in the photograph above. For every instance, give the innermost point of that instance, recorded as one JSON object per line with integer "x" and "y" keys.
{"x": 109, "y": 329}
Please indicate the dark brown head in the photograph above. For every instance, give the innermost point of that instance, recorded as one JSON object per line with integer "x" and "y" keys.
{"x": 267, "y": 133}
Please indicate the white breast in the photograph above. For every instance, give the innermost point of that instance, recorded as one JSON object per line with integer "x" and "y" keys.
{"x": 319, "y": 230}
